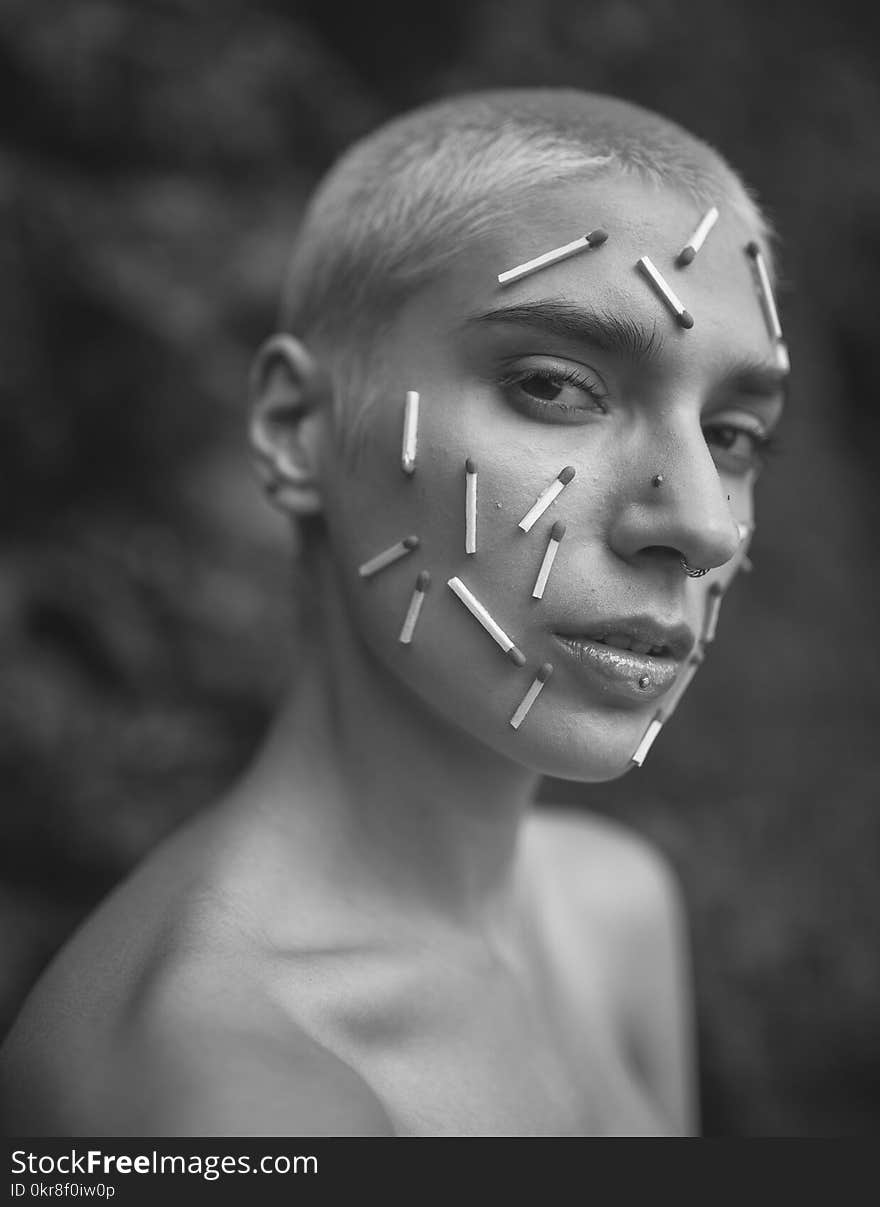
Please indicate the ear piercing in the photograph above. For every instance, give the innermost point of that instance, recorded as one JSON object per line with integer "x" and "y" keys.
{"x": 594, "y": 239}
{"x": 665, "y": 291}
{"x": 693, "y": 571}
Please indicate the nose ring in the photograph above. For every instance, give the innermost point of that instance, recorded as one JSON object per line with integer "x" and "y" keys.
{"x": 693, "y": 571}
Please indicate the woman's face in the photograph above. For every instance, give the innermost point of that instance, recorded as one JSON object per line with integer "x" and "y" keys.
{"x": 582, "y": 365}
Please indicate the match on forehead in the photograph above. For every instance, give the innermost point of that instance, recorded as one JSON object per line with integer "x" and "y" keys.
{"x": 623, "y": 334}
{"x": 586, "y": 243}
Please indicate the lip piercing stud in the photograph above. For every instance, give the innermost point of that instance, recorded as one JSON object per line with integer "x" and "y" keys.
{"x": 657, "y": 480}
{"x": 693, "y": 571}
{"x": 644, "y": 682}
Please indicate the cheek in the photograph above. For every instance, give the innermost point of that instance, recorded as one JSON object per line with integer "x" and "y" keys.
{"x": 451, "y": 661}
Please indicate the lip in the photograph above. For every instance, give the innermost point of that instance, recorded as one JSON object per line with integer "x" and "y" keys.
{"x": 620, "y": 670}
{"x": 677, "y": 639}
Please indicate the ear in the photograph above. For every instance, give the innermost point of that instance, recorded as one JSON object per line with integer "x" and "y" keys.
{"x": 286, "y": 386}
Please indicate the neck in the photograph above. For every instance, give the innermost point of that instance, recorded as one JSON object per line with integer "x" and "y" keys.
{"x": 388, "y": 796}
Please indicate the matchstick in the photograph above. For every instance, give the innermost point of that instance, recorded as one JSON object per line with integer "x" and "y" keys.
{"x": 698, "y": 238}
{"x": 388, "y": 556}
{"x": 746, "y": 532}
{"x": 680, "y": 686}
{"x": 410, "y": 432}
{"x": 594, "y": 239}
{"x": 546, "y": 497}
{"x": 713, "y": 609}
{"x": 531, "y": 695}
{"x": 470, "y": 506}
{"x": 766, "y": 290}
{"x": 494, "y": 629}
{"x": 423, "y": 581}
{"x": 665, "y": 291}
{"x": 557, "y": 532}
{"x": 647, "y": 741}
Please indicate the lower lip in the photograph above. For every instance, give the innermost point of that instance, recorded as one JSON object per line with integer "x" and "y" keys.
{"x": 619, "y": 671}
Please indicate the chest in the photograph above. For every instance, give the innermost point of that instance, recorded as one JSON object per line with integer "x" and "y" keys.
{"x": 476, "y": 1052}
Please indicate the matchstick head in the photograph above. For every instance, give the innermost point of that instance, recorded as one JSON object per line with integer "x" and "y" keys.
{"x": 517, "y": 657}
{"x": 557, "y": 532}
{"x": 685, "y": 256}
{"x": 470, "y": 466}
{"x": 716, "y": 589}
{"x": 566, "y": 475}
{"x": 410, "y": 542}
{"x": 423, "y": 581}
{"x": 545, "y": 672}
{"x": 686, "y": 320}
{"x": 753, "y": 250}
{"x": 597, "y": 237}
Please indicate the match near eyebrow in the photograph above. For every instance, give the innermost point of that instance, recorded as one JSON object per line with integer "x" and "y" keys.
{"x": 620, "y": 335}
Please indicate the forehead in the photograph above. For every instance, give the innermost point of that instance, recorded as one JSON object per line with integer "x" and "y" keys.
{"x": 641, "y": 219}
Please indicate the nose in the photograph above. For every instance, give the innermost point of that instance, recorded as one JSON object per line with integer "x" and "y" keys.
{"x": 686, "y": 514}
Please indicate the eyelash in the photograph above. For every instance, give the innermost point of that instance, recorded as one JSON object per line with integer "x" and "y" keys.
{"x": 764, "y": 445}
{"x": 557, "y": 376}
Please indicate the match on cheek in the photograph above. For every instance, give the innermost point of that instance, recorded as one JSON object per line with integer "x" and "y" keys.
{"x": 546, "y": 497}
{"x": 557, "y": 532}
{"x": 492, "y": 627}
{"x": 650, "y": 736}
{"x": 410, "y": 432}
{"x": 423, "y": 582}
{"x": 537, "y": 686}
{"x": 388, "y": 556}
{"x": 470, "y": 506}
{"x": 714, "y": 596}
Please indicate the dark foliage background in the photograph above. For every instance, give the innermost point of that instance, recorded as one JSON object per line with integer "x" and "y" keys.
{"x": 154, "y": 158}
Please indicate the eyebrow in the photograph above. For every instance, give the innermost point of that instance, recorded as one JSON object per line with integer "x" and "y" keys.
{"x": 625, "y": 337}
{"x": 618, "y": 334}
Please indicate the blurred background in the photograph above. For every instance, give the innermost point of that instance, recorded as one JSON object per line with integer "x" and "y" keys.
{"x": 154, "y": 160}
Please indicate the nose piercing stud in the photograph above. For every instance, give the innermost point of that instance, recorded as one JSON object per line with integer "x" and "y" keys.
{"x": 657, "y": 480}
{"x": 693, "y": 571}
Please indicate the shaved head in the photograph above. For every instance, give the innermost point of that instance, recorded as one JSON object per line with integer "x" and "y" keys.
{"x": 404, "y": 202}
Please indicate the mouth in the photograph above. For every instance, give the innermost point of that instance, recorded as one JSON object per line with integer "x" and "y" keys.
{"x": 638, "y": 635}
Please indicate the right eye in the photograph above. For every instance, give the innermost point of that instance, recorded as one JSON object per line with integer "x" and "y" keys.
{"x": 555, "y": 393}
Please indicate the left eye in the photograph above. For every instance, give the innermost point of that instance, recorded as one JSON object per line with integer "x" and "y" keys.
{"x": 737, "y": 449}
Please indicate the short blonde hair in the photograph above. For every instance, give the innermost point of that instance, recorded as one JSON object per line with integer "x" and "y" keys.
{"x": 407, "y": 199}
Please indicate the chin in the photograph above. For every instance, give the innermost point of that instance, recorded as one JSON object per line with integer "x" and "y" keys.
{"x": 580, "y": 751}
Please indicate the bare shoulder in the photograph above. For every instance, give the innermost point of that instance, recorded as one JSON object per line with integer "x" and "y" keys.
{"x": 202, "y": 1051}
{"x": 240, "y": 1067}
{"x": 623, "y": 898}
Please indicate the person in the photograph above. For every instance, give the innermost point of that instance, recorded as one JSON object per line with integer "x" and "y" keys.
{"x": 376, "y": 931}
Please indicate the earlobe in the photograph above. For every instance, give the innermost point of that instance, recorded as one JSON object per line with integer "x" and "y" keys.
{"x": 285, "y": 390}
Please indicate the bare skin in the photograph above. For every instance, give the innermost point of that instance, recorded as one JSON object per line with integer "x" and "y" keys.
{"x": 375, "y": 933}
